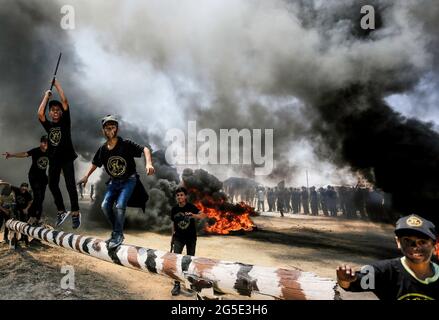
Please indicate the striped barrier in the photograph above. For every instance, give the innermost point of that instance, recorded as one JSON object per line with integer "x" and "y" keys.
{"x": 196, "y": 273}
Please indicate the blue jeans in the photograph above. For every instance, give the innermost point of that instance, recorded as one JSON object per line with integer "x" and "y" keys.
{"x": 119, "y": 192}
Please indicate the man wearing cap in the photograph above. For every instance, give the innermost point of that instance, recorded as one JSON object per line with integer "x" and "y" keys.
{"x": 117, "y": 156}
{"x": 61, "y": 154}
{"x": 37, "y": 176}
{"x": 412, "y": 277}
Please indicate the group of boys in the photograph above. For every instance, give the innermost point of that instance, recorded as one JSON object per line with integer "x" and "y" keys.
{"x": 57, "y": 155}
{"x": 414, "y": 276}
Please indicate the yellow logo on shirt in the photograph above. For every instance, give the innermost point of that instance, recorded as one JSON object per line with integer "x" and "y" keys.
{"x": 415, "y": 296}
{"x": 55, "y": 136}
{"x": 184, "y": 222}
{"x": 414, "y": 221}
{"x": 116, "y": 166}
{"x": 42, "y": 163}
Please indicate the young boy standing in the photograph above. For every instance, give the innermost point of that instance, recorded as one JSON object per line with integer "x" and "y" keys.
{"x": 184, "y": 232}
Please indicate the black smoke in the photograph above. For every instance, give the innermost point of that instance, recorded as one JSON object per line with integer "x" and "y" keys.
{"x": 396, "y": 153}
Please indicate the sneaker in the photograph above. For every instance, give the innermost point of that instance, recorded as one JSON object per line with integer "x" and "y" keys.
{"x": 76, "y": 221}
{"x": 176, "y": 290}
{"x": 109, "y": 239}
{"x": 62, "y": 216}
{"x": 115, "y": 242}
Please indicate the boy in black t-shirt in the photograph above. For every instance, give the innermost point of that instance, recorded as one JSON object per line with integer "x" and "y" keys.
{"x": 412, "y": 277}
{"x": 184, "y": 232}
{"x": 37, "y": 176}
{"x": 117, "y": 156}
{"x": 61, "y": 154}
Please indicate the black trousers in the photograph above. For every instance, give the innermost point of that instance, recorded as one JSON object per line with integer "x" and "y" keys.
{"x": 38, "y": 186}
{"x": 189, "y": 243}
{"x": 68, "y": 170}
{"x": 23, "y": 217}
{"x": 190, "y": 247}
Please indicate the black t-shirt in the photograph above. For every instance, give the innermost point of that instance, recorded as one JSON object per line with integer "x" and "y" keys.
{"x": 40, "y": 161}
{"x": 60, "y": 139}
{"x": 394, "y": 281}
{"x": 21, "y": 199}
{"x": 119, "y": 162}
{"x": 184, "y": 226}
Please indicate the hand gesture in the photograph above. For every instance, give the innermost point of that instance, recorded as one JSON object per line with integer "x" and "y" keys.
{"x": 83, "y": 181}
{"x": 149, "y": 169}
{"x": 345, "y": 276}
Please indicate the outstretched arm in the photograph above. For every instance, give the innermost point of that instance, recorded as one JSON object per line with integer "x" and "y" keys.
{"x": 200, "y": 215}
{"x": 148, "y": 162}
{"x": 89, "y": 173}
{"x": 15, "y": 155}
{"x": 64, "y": 102}
{"x": 43, "y": 105}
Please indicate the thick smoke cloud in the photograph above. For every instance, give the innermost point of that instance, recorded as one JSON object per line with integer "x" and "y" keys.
{"x": 31, "y": 39}
{"x": 304, "y": 68}
{"x": 314, "y": 51}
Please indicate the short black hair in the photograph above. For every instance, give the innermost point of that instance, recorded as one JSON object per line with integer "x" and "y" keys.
{"x": 54, "y": 103}
{"x": 181, "y": 189}
{"x": 44, "y": 138}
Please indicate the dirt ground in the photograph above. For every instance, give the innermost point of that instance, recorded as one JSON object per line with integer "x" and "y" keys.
{"x": 315, "y": 244}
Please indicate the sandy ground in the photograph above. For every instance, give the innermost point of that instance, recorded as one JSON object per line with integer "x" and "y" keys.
{"x": 316, "y": 244}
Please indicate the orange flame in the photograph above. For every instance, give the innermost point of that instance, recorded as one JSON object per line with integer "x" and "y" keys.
{"x": 225, "y": 221}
